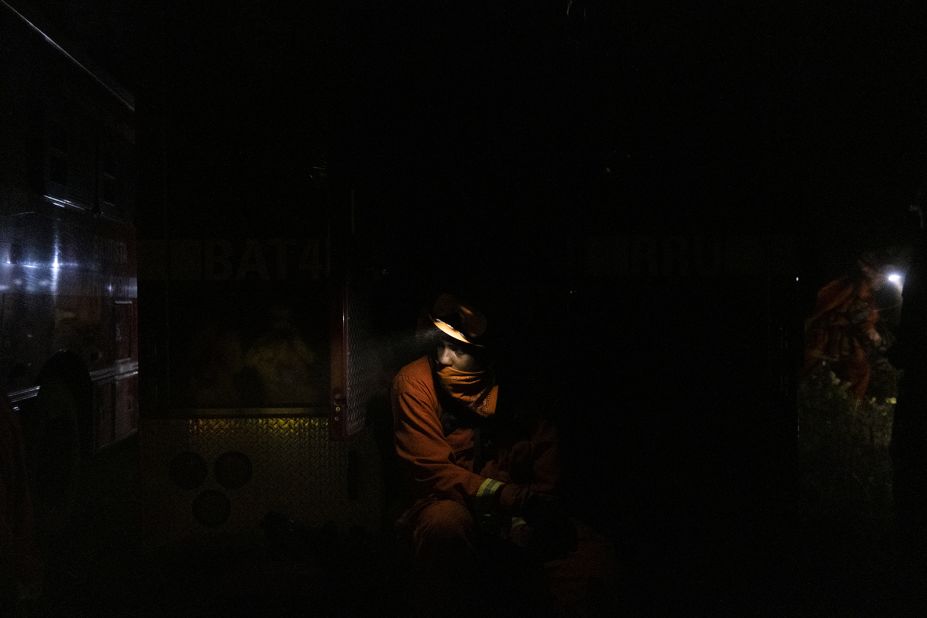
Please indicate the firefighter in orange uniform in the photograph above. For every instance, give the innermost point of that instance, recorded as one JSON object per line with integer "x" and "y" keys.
{"x": 842, "y": 332}
{"x": 483, "y": 474}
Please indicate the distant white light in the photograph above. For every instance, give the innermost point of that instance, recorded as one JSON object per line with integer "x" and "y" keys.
{"x": 896, "y": 279}
{"x": 796, "y": 279}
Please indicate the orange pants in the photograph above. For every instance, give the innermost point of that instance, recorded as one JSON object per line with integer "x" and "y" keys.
{"x": 457, "y": 570}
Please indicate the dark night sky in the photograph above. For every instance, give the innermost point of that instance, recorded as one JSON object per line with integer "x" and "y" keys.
{"x": 794, "y": 115}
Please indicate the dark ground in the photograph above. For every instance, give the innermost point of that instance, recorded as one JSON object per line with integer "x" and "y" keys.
{"x": 99, "y": 568}
{"x": 779, "y": 564}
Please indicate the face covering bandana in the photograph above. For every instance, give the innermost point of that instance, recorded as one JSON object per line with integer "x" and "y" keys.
{"x": 475, "y": 389}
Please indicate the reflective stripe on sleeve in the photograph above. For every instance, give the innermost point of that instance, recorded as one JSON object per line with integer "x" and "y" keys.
{"x": 485, "y": 495}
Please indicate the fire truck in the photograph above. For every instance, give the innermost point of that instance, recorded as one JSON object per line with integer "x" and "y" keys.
{"x": 261, "y": 367}
{"x": 262, "y": 376}
{"x": 68, "y": 303}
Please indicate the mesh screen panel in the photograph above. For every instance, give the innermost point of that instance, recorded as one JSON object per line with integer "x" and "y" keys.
{"x": 363, "y": 365}
{"x": 358, "y": 373}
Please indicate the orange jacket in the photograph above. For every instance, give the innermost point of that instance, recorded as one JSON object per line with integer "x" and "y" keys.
{"x": 840, "y": 331}
{"x": 519, "y": 456}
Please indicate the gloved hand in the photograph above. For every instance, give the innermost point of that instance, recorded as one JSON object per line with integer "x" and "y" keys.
{"x": 548, "y": 532}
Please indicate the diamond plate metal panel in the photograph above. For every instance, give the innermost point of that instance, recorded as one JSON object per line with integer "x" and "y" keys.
{"x": 296, "y": 470}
